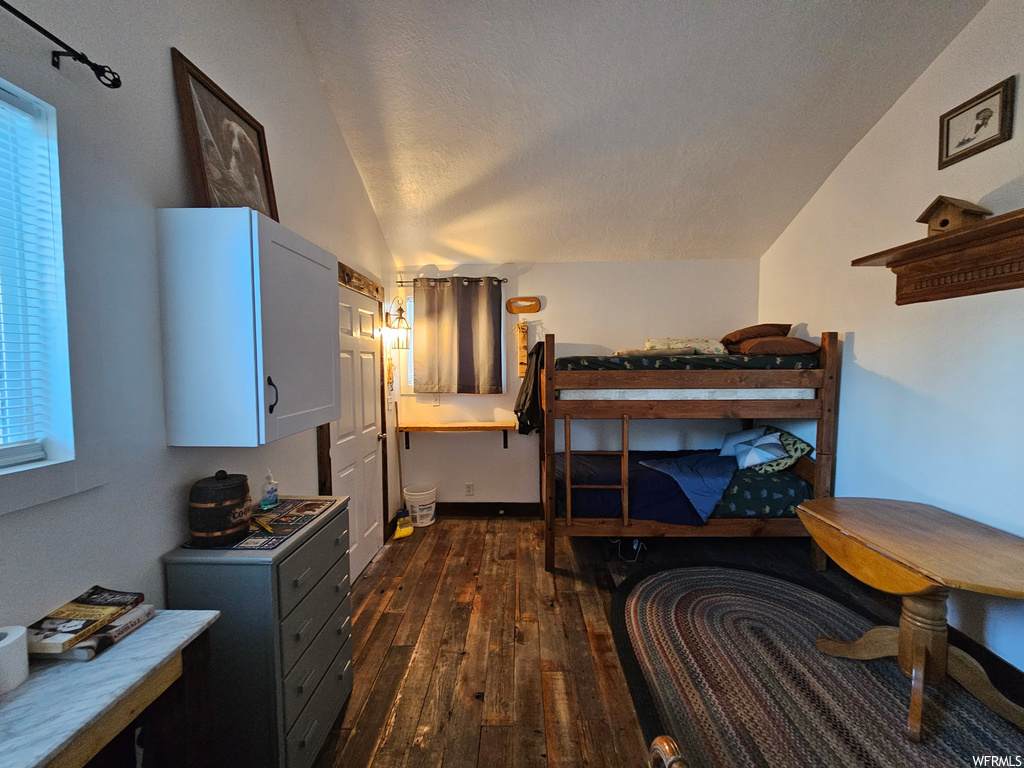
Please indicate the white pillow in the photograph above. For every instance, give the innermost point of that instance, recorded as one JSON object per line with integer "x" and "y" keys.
{"x": 761, "y": 450}
{"x": 733, "y": 439}
{"x": 702, "y": 346}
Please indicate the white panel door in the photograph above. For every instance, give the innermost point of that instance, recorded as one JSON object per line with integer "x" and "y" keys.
{"x": 355, "y": 448}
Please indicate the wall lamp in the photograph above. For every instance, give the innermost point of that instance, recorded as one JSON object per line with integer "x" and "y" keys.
{"x": 398, "y": 327}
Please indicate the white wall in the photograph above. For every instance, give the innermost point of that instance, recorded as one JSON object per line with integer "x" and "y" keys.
{"x": 592, "y": 308}
{"x": 930, "y": 408}
{"x": 122, "y": 157}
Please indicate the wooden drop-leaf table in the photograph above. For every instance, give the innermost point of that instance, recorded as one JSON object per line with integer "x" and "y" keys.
{"x": 919, "y": 552}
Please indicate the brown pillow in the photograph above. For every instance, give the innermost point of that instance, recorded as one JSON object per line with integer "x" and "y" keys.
{"x": 774, "y": 345}
{"x": 756, "y": 332}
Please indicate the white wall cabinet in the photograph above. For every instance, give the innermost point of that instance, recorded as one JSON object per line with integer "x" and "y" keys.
{"x": 250, "y": 328}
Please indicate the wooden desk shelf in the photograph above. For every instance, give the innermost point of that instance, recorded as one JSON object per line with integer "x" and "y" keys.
{"x": 984, "y": 258}
{"x": 460, "y": 426}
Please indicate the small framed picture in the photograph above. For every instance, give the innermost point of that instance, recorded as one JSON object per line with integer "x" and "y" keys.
{"x": 977, "y": 124}
{"x": 226, "y": 148}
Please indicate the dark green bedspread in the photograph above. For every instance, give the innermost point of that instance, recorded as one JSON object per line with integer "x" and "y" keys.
{"x": 753, "y": 494}
{"x": 686, "y": 362}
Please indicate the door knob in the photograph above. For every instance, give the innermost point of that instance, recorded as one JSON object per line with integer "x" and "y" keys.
{"x": 381, "y": 436}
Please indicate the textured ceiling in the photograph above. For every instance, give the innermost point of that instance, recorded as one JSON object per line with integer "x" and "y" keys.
{"x": 610, "y": 130}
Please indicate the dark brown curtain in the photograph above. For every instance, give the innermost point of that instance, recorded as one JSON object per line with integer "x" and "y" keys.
{"x": 457, "y": 335}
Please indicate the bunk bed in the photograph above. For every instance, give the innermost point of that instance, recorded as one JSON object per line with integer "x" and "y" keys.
{"x": 645, "y": 392}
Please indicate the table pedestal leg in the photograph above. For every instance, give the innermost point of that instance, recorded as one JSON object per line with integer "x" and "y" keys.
{"x": 923, "y": 648}
{"x": 917, "y": 674}
{"x": 876, "y": 643}
{"x": 970, "y": 674}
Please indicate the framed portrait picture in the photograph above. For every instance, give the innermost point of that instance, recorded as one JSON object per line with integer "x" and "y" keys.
{"x": 226, "y": 147}
{"x": 977, "y": 124}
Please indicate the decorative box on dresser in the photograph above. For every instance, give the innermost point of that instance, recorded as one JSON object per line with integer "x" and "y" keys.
{"x": 281, "y": 654}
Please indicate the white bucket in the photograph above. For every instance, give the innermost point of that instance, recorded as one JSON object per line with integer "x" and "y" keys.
{"x": 419, "y": 500}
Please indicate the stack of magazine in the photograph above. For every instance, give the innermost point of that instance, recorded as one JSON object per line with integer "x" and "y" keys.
{"x": 88, "y": 625}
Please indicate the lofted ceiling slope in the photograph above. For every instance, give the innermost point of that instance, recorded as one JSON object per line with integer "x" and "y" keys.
{"x": 505, "y": 131}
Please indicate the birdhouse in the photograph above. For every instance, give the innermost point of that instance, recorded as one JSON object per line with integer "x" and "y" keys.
{"x": 946, "y": 214}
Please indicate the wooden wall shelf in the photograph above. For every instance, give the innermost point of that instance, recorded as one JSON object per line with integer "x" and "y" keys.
{"x": 984, "y": 258}
{"x": 460, "y": 426}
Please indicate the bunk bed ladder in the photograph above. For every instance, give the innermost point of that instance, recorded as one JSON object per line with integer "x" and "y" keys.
{"x": 622, "y": 485}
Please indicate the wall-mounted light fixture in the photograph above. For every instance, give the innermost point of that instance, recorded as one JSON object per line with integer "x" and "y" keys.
{"x": 398, "y": 327}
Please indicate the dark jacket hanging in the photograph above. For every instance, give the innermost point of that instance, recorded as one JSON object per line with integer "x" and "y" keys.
{"x": 528, "y": 408}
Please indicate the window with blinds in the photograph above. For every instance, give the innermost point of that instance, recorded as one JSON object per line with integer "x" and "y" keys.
{"x": 35, "y": 396}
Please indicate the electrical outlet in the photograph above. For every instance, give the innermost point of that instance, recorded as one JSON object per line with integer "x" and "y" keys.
{"x": 469, "y": 489}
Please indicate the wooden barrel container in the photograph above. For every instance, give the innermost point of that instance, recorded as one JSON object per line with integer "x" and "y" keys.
{"x": 219, "y": 509}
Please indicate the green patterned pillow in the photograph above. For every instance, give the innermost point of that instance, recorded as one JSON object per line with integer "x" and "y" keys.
{"x": 794, "y": 446}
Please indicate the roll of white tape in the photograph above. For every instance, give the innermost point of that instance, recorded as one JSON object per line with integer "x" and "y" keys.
{"x": 13, "y": 658}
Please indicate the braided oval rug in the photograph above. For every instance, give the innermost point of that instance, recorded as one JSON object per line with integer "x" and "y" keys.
{"x": 730, "y": 660}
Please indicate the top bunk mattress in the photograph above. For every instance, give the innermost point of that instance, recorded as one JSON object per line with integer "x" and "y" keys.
{"x": 686, "y": 362}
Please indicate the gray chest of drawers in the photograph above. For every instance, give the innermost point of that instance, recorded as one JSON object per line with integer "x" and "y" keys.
{"x": 281, "y": 653}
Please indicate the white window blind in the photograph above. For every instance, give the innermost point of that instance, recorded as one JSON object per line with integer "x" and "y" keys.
{"x": 35, "y": 412}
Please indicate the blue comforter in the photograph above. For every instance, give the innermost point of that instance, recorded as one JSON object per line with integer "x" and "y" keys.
{"x": 702, "y": 476}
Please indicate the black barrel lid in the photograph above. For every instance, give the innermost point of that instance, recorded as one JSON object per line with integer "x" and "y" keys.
{"x": 219, "y": 487}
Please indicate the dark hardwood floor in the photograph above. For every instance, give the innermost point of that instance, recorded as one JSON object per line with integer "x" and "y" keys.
{"x": 468, "y": 654}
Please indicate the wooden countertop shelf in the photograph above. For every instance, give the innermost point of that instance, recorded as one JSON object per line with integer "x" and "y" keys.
{"x": 460, "y": 426}
{"x": 984, "y": 258}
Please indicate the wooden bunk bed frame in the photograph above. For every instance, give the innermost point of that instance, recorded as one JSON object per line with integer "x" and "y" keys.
{"x": 820, "y": 472}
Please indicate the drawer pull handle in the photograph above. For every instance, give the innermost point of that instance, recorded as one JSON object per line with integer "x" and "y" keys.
{"x": 308, "y": 735}
{"x": 297, "y": 581}
{"x": 298, "y": 635}
{"x": 343, "y": 629}
{"x": 340, "y": 586}
{"x": 302, "y": 686}
{"x": 339, "y": 539}
{"x": 341, "y": 675}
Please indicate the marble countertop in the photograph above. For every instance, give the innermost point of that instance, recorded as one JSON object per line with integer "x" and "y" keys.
{"x": 61, "y": 699}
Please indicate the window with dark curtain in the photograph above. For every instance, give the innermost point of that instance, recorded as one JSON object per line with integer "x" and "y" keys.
{"x": 457, "y": 335}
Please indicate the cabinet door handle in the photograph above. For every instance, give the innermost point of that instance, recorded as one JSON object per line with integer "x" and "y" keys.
{"x": 298, "y": 635}
{"x": 308, "y": 735}
{"x": 297, "y": 582}
{"x": 277, "y": 395}
{"x": 302, "y": 686}
{"x": 341, "y": 629}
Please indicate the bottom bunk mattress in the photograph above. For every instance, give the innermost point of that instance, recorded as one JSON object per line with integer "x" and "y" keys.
{"x": 654, "y": 495}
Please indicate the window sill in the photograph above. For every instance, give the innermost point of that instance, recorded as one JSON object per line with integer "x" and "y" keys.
{"x": 28, "y": 485}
